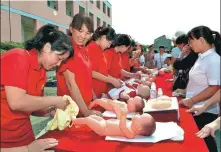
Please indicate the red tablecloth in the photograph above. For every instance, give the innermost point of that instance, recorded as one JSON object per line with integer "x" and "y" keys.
{"x": 85, "y": 140}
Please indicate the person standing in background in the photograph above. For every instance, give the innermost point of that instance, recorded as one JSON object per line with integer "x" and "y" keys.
{"x": 160, "y": 57}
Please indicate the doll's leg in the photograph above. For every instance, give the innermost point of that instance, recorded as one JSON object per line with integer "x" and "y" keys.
{"x": 96, "y": 123}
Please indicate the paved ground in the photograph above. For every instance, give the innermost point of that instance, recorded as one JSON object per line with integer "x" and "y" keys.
{"x": 38, "y": 123}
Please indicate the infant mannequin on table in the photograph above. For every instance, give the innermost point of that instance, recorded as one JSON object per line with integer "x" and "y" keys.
{"x": 139, "y": 125}
{"x": 130, "y": 89}
{"x": 135, "y": 104}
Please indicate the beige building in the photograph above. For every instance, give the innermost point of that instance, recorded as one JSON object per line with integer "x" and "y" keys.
{"x": 21, "y": 19}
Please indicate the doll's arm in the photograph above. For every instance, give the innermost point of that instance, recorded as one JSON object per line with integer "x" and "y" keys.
{"x": 105, "y": 103}
{"x": 128, "y": 132}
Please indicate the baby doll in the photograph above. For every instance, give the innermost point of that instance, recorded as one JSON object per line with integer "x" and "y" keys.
{"x": 139, "y": 125}
{"x": 128, "y": 91}
{"x": 133, "y": 104}
{"x": 135, "y": 82}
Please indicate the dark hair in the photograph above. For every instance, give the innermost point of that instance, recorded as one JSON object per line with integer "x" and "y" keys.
{"x": 168, "y": 58}
{"x": 155, "y": 51}
{"x": 211, "y": 37}
{"x": 150, "y": 46}
{"x": 122, "y": 39}
{"x": 100, "y": 31}
{"x": 182, "y": 39}
{"x": 79, "y": 20}
{"x": 49, "y": 34}
{"x": 133, "y": 43}
{"x": 162, "y": 47}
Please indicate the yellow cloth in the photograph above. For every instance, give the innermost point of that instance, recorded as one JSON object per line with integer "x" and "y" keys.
{"x": 62, "y": 118}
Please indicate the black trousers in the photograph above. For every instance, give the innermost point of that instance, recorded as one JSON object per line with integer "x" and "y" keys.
{"x": 201, "y": 121}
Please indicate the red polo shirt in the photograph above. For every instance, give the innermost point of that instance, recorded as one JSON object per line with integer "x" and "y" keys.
{"x": 80, "y": 65}
{"x": 113, "y": 63}
{"x": 99, "y": 64}
{"x": 20, "y": 69}
{"x": 125, "y": 61}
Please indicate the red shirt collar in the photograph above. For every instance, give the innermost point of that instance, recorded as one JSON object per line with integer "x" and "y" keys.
{"x": 75, "y": 45}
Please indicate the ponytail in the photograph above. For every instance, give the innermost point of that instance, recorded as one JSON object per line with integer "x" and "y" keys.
{"x": 49, "y": 34}
{"x": 217, "y": 41}
{"x": 109, "y": 32}
{"x": 43, "y": 35}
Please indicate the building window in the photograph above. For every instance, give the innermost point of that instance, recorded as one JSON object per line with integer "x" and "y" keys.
{"x": 53, "y": 4}
{"x": 91, "y": 16}
{"x": 98, "y": 22}
{"x": 81, "y": 10}
{"x": 92, "y": 2}
{"x": 98, "y": 4}
{"x": 108, "y": 11}
{"x": 28, "y": 28}
{"x": 69, "y": 8}
{"x": 104, "y": 24}
{"x": 104, "y": 8}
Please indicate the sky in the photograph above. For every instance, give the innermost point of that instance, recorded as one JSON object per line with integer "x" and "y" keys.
{"x": 146, "y": 20}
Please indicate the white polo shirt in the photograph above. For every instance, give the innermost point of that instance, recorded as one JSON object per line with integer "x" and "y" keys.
{"x": 160, "y": 59}
{"x": 142, "y": 59}
{"x": 205, "y": 72}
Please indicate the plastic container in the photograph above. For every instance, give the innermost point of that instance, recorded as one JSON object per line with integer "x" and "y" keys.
{"x": 159, "y": 92}
{"x": 153, "y": 91}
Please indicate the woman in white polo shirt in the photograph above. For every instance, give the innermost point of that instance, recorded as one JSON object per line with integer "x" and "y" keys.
{"x": 204, "y": 77}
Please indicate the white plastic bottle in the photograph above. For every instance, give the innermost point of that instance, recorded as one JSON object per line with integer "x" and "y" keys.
{"x": 159, "y": 92}
{"x": 153, "y": 91}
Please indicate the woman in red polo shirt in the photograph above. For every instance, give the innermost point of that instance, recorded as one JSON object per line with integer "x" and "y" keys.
{"x": 125, "y": 57}
{"x": 22, "y": 81}
{"x": 74, "y": 77}
{"x": 113, "y": 57}
{"x": 101, "y": 39}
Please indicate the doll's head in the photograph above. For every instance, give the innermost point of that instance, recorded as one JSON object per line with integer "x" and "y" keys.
{"x": 143, "y": 124}
{"x": 135, "y": 104}
{"x": 145, "y": 82}
{"x": 143, "y": 91}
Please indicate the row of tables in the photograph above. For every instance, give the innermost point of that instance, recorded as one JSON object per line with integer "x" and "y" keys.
{"x": 85, "y": 140}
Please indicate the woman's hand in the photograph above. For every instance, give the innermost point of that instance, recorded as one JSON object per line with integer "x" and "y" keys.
{"x": 207, "y": 130}
{"x": 41, "y": 145}
{"x": 197, "y": 110}
{"x": 116, "y": 83}
{"x": 186, "y": 102}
